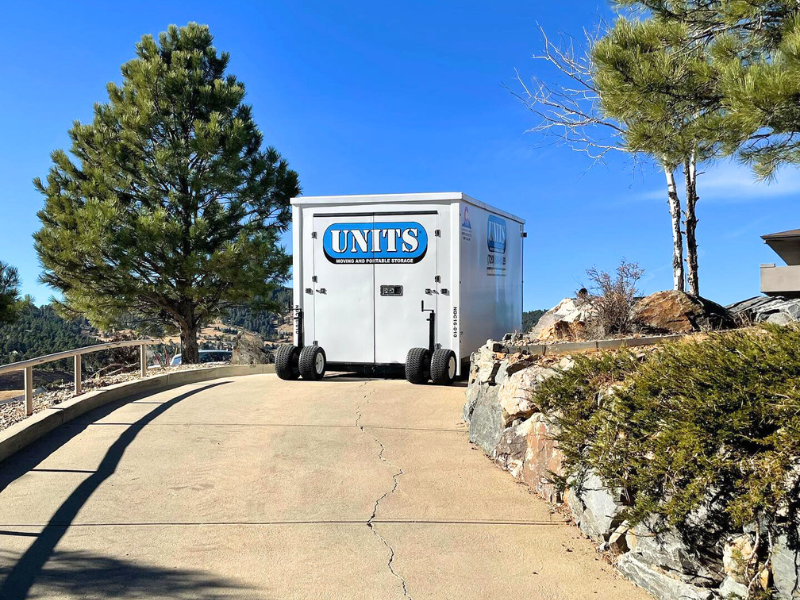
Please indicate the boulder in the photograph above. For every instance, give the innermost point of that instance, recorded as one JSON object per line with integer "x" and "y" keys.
{"x": 677, "y": 312}
{"x": 668, "y": 552}
{"x": 595, "y": 509}
{"x": 658, "y": 583}
{"x": 737, "y": 552}
{"x": 786, "y": 568}
{"x": 567, "y": 320}
{"x": 732, "y": 589}
{"x": 249, "y": 349}
{"x": 516, "y": 394}
{"x": 486, "y": 423}
{"x": 512, "y": 448}
{"x": 767, "y": 309}
{"x": 542, "y": 457}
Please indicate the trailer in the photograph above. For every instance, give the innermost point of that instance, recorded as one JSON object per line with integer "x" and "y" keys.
{"x": 409, "y": 283}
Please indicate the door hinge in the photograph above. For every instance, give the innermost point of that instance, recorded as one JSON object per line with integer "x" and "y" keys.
{"x": 438, "y": 279}
{"x": 314, "y": 234}
{"x": 437, "y": 232}
{"x": 524, "y": 234}
{"x": 314, "y": 278}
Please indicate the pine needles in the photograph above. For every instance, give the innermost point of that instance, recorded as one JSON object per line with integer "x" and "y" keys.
{"x": 713, "y": 421}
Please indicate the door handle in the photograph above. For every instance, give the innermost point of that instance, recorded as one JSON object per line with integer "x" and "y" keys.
{"x": 430, "y": 291}
{"x": 322, "y": 291}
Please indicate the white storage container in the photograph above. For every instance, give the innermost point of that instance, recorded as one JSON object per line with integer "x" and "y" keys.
{"x": 378, "y": 276}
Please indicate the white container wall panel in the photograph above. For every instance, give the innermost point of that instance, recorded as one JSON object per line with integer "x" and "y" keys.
{"x": 491, "y": 276}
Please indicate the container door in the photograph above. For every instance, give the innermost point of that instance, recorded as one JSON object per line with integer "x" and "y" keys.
{"x": 343, "y": 286}
{"x": 405, "y": 276}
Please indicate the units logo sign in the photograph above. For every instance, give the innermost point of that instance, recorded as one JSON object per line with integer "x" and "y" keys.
{"x": 375, "y": 243}
{"x": 496, "y": 242}
{"x": 496, "y": 235}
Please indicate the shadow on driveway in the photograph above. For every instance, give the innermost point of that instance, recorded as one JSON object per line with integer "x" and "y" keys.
{"x": 29, "y": 567}
{"x": 88, "y": 575}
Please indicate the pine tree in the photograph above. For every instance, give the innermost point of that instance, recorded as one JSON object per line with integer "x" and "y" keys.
{"x": 170, "y": 210}
{"x": 663, "y": 87}
{"x": 9, "y": 293}
{"x": 755, "y": 46}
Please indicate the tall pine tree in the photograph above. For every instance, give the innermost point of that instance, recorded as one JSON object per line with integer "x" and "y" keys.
{"x": 652, "y": 77}
{"x": 9, "y": 293}
{"x": 755, "y": 46}
{"x": 170, "y": 210}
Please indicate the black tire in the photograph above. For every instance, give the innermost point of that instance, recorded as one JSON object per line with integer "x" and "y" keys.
{"x": 286, "y": 362}
{"x": 418, "y": 365}
{"x": 312, "y": 363}
{"x": 443, "y": 367}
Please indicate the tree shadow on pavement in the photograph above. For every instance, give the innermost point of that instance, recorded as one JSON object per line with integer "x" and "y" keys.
{"x": 22, "y": 576}
{"x": 87, "y": 575}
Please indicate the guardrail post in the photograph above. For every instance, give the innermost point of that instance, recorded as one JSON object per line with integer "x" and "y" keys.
{"x": 29, "y": 391}
{"x": 78, "y": 367}
{"x": 143, "y": 360}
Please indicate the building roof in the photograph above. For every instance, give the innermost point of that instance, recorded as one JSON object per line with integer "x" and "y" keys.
{"x": 782, "y": 235}
{"x": 786, "y": 244}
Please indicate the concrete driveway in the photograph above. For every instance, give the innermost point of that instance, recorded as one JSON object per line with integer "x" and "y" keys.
{"x": 253, "y": 487}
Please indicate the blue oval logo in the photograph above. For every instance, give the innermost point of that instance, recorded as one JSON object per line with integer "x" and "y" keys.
{"x": 496, "y": 235}
{"x": 371, "y": 243}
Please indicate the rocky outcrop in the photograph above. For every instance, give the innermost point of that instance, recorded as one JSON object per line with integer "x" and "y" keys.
{"x": 677, "y": 312}
{"x": 249, "y": 349}
{"x": 508, "y": 424}
{"x": 767, "y": 309}
{"x": 660, "y": 584}
{"x": 786, "y": 566}
{"x": 594, "y": 507}
{"x": 566, "y": 321}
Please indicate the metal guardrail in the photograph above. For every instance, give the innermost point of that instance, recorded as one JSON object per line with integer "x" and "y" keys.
{"x": 77, "y": 356}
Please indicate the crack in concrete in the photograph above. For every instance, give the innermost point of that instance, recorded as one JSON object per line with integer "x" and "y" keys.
{"x": 370, "y": 521}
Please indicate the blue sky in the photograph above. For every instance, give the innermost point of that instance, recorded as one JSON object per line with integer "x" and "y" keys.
{"x": 370, "y": 97}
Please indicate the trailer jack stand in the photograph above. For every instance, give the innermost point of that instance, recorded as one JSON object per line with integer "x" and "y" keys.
{"x": 431, "y": 327}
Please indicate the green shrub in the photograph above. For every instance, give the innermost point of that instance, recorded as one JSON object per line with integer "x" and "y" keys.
{"x": 695, "y": 421}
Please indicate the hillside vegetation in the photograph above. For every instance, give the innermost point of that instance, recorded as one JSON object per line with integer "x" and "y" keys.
{"x": 530, "y": 318}
{"x": 38, "y": 331}
{"x": 711, "y": 422}
{"x": 262, "y": 322}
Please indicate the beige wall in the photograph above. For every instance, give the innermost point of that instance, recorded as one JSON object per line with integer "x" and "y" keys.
{"x": 780, "y": 280}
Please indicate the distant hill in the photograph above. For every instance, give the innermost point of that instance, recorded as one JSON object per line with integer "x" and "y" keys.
{"x": 530, "y": 319}
{"x": 39, "y": 331}
{"x": 263, "y": 323}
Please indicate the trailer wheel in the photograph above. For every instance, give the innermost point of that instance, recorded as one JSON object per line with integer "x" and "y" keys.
{"x": 418, "y": 365}
{"x": 312, "y": 363}
{"x": 287, "y": 362}
{"x": 443, "y": 367}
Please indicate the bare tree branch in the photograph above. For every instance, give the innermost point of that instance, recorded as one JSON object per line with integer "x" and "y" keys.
{"x": 569, "y": 113}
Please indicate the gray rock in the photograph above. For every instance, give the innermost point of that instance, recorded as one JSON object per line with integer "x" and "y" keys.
{"x": 486, "y": 422}
{"x": 249, "y": 349}
{"x": 595, "y": 509}
{"x": 512, "y": 448}
{"x": 786, "y": 568}
{"x": 768, "y": 309}
{"x": 658, "y": 584}
{"x": 730, "y": 589}
{"x": 668, "y": 551}
{"x": 618, "y": 542}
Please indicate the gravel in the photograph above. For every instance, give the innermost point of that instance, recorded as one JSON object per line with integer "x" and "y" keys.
{"x": 13, "y": 410}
